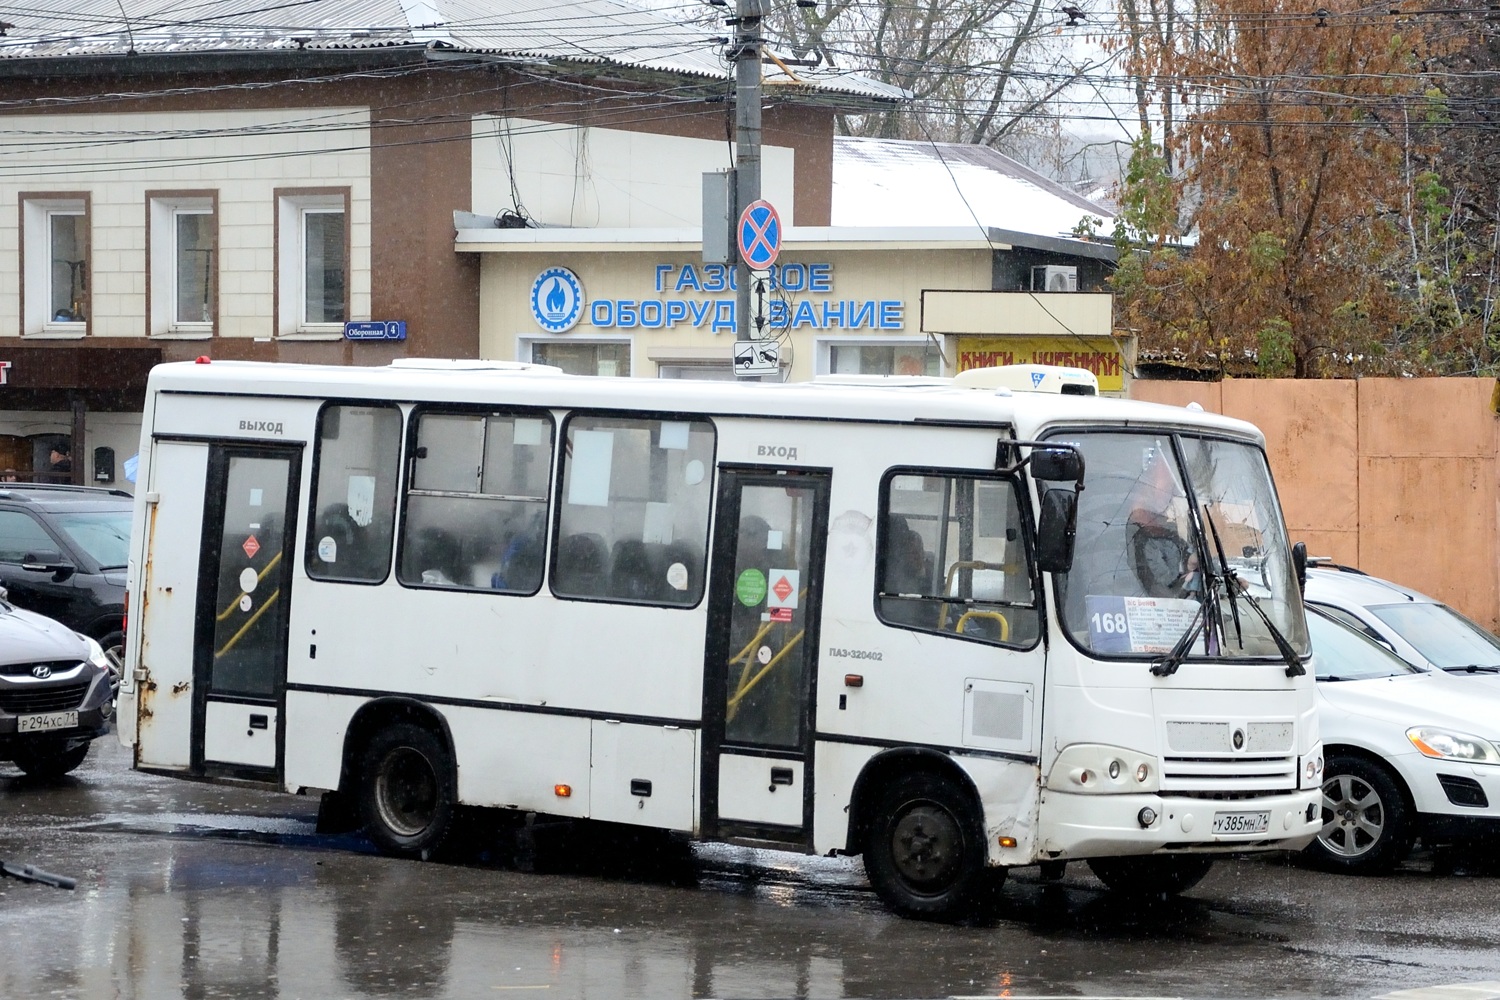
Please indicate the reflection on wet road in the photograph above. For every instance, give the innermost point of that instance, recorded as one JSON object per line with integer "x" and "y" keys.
{"x": 200, "y": 891}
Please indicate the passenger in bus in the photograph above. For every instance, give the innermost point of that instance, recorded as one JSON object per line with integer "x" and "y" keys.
{"x": 434, "y": 558}
{"x": 908, "y": 568}
{"x": 907, "y": 576}
{"x": 521, "y": 557}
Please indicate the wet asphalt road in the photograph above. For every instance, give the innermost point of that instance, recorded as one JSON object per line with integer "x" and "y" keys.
{"x": 195, "y": 891}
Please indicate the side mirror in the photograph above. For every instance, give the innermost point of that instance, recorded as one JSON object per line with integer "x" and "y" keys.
{"x": 1299, "y": 564}
{"x": 1056, "y": 529}
{"x": 1056, "y": 464}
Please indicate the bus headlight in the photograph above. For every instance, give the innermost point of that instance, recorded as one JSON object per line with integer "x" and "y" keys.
{"x": 1445, "y": 744}
{"x": 1312, "y": 771}
{"x": 1103, "y": 770}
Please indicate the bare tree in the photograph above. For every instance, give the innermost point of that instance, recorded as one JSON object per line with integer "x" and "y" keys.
{"x": 979, "y": 70}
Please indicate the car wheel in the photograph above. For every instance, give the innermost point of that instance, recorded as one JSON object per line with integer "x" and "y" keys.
{"x": 1152, "y": 874}
{"x": 924, "y": 852}
{"x": 1367, "y": 826}
{"x": 407, "y": 791}
{"x": 42, "y": 760}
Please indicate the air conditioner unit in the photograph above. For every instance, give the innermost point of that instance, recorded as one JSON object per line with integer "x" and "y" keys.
{"x": 1054, "y": 278}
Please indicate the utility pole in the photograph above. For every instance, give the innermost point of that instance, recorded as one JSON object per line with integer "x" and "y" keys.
{"x": 748, "y": 40}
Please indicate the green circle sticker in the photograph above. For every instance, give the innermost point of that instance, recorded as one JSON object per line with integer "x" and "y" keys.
{"x": 750, "y": 588}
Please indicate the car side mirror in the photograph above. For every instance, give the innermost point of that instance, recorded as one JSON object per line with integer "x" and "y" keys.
{"x": 1299, "y": 564}
{"x": 1056, "y": 464}
{"x": 1057, "y": 527}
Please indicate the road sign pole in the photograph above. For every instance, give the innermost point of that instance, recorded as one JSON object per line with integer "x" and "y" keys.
{"x": 747, "y": 75}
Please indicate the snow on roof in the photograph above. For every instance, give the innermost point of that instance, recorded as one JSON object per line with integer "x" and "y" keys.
{"x": 895, "y": 182}
{"x": 597, "y": 32}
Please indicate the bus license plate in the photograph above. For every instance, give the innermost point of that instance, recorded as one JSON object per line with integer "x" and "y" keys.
{"x": 1250, "y": 822}
{"x": 42, "y": 723}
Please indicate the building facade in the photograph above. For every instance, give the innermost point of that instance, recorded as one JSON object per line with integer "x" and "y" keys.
{"x": 229, "y": 188}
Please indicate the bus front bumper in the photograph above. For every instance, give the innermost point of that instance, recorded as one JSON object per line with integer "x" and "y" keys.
{"x": 1092, "y": 826}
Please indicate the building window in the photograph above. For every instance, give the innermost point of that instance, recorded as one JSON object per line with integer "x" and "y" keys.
{"x": 583, "y": 358}
{"x": 312, "y": 239}
{"x": 707, "y": 371}
{"x": 916, "y": 357}
{"x": 55, "y": 254}
{"x": 184, "y": 263}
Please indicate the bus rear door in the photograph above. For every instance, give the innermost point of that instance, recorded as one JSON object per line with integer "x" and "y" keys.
{"x": 244, "y": 590}
{"x": 761, "y": 655}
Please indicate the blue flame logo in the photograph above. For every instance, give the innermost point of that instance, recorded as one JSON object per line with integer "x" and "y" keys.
{"x": 557, "y": 300}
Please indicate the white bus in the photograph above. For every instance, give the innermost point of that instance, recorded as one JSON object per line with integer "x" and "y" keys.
{"x": 842, "y": 618}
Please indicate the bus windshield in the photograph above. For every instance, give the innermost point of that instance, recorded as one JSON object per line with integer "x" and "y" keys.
{"x": 1179, "y": 534}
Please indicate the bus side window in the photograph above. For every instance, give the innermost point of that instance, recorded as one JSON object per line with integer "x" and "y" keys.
{"x": 951, "y": 559}
{"x": 476, "y": 507}
{"x": 354, "y": 509}
{"x": 633, "y": 522}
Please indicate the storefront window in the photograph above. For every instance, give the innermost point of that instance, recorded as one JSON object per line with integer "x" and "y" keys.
{"x": 709, "y": 371}
{"x": 885, "y": 359}
{"x": 582, "y": 358}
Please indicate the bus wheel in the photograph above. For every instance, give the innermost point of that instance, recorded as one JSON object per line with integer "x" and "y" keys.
{"x": 1152, "y": 875}
{"x": 407, "y": 791}
{"x": 925, "y": 850}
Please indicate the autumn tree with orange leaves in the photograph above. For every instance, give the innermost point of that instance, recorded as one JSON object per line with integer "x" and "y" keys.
{"x": 1290, "y": 165}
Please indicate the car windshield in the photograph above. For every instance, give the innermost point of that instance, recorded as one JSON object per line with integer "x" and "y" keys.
{"x": 103, "y": 534}
{"x": 1342, "y": 654}
{"x": 1442, "y": 635}
{"x": 1163, "y": 521}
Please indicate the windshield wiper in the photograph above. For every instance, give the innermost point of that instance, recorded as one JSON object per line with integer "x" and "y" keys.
{"x": 1472, "y": 668}
{"x": 1231, "y": 580}
{"x": 1169, "y": 664}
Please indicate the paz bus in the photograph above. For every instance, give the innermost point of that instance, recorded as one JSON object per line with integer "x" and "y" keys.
{"x": 954, "y": 626}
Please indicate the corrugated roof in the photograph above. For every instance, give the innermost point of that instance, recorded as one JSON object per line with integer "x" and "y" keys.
{"x": 893, "y": 182}
{"x": 599, "y": 32}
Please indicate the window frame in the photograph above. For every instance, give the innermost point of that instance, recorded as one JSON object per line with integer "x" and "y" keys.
{"x": 162, "y": 210}
{"x": 526, "y": 353}
{"x": 37, "y": 209}
{"x": 404, "y": 490}
{"x": 1018, "y": 484}
{"x": 710, "y": 480}
{"x": 293, "y": 205}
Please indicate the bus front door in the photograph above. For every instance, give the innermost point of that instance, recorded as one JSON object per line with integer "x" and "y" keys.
{"x": 240, "y": 646}
{"x": 761, "y": 655}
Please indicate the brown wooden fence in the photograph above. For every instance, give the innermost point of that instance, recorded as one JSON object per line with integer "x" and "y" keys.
{"x": 1395, "y": 476}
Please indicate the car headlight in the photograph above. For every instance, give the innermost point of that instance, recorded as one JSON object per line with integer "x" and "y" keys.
{"x": 1446, "y": 745}
{"x": 96, "y": 653}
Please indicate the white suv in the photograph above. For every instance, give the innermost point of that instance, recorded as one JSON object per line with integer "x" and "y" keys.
{"x": 1422, "y": 631}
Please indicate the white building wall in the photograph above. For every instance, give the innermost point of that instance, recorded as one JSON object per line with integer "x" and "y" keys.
{"x": 567, "y": 175}
{"x": 244, "y": 155}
